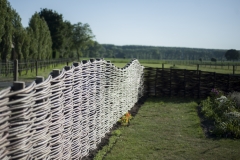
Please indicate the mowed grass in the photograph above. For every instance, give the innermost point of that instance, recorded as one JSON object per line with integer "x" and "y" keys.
{"x": 169, "y": 128}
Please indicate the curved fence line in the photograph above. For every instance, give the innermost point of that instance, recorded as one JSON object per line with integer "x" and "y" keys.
{"x": 65, "y": 116}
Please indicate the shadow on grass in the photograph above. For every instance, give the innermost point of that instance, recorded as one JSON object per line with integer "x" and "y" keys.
{"x": 174, "y": 100}
{"x": 105, "y": 140}
{"x": 206, "y": 124}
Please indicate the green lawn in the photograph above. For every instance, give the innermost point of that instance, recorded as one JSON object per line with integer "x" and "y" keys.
{"x": 169, "y": 128}
{"x": 30, "y": 76}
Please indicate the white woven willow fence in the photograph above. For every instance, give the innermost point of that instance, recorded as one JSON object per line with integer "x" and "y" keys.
{"x": 64, "y": 117}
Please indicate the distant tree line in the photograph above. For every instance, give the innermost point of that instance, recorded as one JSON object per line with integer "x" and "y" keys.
{"x": 48, "y": 36}
{"x": 170, "y": 53}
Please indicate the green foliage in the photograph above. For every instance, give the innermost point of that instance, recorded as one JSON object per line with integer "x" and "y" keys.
{"x": 7, "y": 30}
{"x": 232, "y": 54}
{"x": 56, "y": 26}
{"x": 93, "y": 49}
{"x": 40, "y": 39}
{"x": 160, "y": 53}
{"x": 213, "y": 59}
{"x": 66, "y": 50}
{"x": 116, "y": 132}
{"x": 3, "y": 15}
{"x": 82, "y": 34}
{"x": 224, "y": 112}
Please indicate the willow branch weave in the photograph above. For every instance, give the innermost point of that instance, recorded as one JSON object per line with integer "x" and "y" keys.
{"x": 66, "y": 116}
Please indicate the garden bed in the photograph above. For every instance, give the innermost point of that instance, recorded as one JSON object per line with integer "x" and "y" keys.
{"x": 220, "y": 114}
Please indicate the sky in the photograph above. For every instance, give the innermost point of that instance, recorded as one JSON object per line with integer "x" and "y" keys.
{"x": 212, "y": 24}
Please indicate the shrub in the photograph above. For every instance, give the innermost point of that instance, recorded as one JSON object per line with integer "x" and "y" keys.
{"x": 236, "y": 97}
{"x": 224, "y": 112}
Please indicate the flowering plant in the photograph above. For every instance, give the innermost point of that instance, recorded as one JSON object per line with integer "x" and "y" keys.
{"x": 215, "y": 93}
{"x": 223, "y": 111}
{"x": 125, "y": 120}
{"x": 222, "y": 99}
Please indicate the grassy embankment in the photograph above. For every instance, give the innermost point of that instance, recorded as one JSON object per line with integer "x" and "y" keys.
{"x": 168, "y": 128}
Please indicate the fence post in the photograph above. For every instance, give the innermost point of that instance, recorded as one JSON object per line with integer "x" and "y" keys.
{"x": 76, "y": 64}
{"x": 233, "y": 69}
{"x": 156, "y": 77}
{"x": 15, "y": 72}
{"x": 55, "y": 73}
{"x": 197, "y": 67}
{"x": 18, "y": 85}
{"x": 228, "y": 83}
{"x": 67, "y": 68}
{"x": 199, "y": 84}
{"x": 184, "y": 82}
{"x": 36, "y": 63}
{"x": 162, "y": 65}
{"x": 170, "y": 82}
{"x": 214, "y": 82}
{"x": 39, "y": 79}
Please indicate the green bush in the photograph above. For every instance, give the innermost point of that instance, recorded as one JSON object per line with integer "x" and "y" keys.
{"x": 224, "y": 112}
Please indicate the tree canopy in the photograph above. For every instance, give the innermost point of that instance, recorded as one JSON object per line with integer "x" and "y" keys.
{"x": 56, "y": 27}
{"x": 232, "y": 54}
{"x": 41, "y": 42}
{"x": 6, "y": 30}
{"x": 50, "y": 36}
{"x": 47, "y": 36}
{"x": 82, "y": 34}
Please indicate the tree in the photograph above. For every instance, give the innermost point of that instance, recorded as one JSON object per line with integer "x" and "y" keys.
{"x": 66, "y": 50}
{"x": 232, "y": 54}
{"x": 18, "y": 36}
{"x": 41, "y": 43}
{"x": 6, "y": 30}
{"x": 26, "y": 44}
{"x": 93, "y": 50}
{"x": 82, "y": 33}
{"x": 56, "y": 26}
{"x": 213, "y": 59}
{"x": 3, "y": 15}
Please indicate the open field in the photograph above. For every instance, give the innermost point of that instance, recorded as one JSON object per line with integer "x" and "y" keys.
{"x": 226, "y": 68}
{"x": 169, "y": 128}
{"x": 190, "y": 65}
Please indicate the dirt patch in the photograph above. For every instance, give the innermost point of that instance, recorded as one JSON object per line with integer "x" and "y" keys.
{"x": 105, "y": 140}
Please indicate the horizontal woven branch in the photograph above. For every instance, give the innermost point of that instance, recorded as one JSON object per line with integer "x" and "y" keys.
{"x": 64, "y": 117}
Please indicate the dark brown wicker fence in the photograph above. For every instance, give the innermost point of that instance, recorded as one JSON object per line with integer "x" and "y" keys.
{"x": 187, "y": 83}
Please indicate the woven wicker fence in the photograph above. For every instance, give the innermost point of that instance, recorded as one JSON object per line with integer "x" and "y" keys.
{"x": 187, "y": 83}
{"x": 66, "y": 115}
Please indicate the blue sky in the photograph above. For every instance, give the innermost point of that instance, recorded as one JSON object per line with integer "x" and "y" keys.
{"x": 176, "y": 23}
